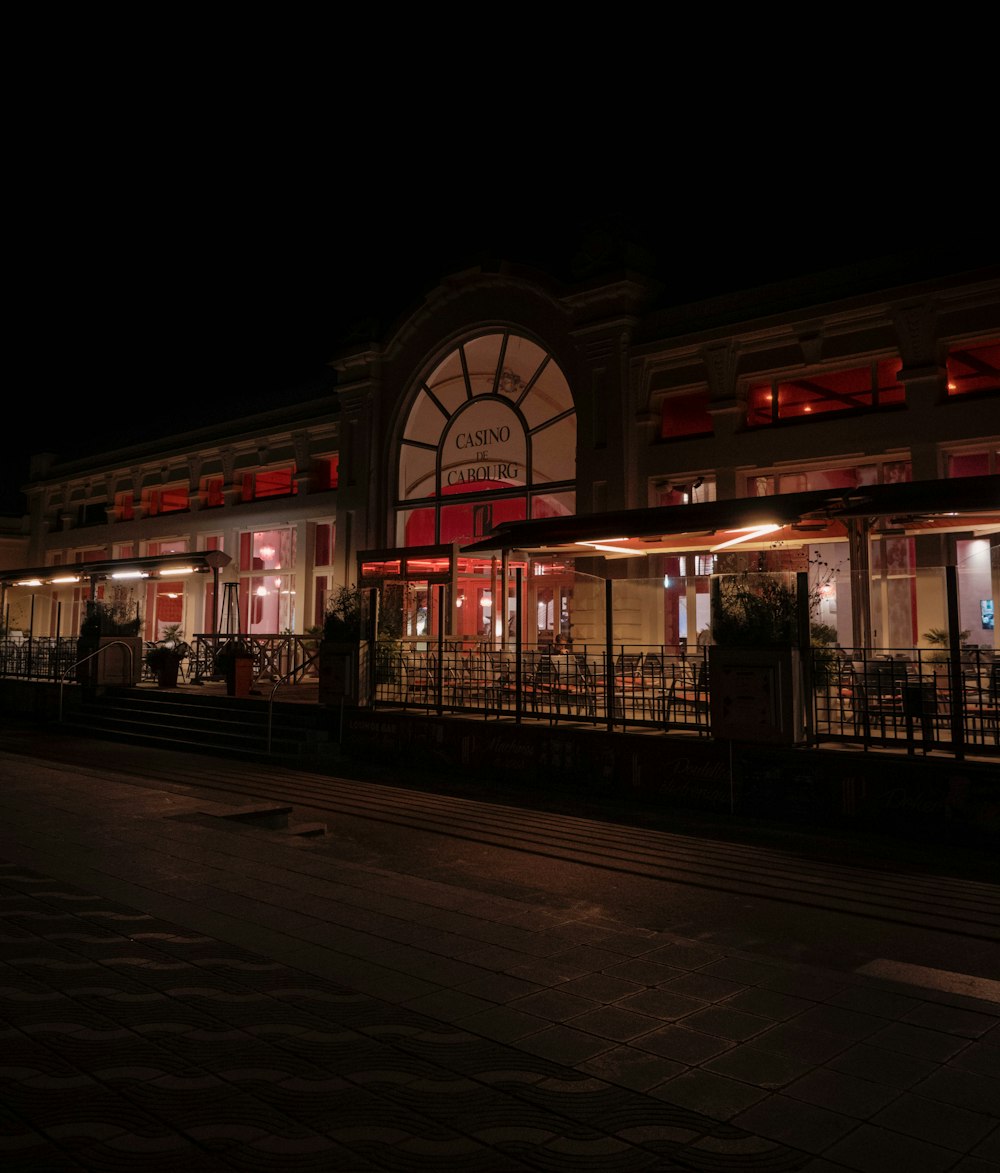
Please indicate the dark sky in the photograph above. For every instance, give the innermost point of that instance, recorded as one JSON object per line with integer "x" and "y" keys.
{"x": 149, "y": 317}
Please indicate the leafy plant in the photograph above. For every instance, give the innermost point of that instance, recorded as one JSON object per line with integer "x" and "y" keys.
{"x": 938, "y": 637}
{"x": 108, "y": 617}
{"x": 755, "y": 610}
{"x": 160, "y": 655}
{"x": 342, "y": 622}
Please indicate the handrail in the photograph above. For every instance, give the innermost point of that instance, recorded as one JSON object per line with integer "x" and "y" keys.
{"x": 118, "y": 643}
{"x": 284, "y": 680}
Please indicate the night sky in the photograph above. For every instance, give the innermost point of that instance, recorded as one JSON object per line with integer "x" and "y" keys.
{"x": 159, "y": 316}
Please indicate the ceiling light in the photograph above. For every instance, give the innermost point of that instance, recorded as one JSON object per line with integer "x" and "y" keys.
{"x": 751, "y": 535}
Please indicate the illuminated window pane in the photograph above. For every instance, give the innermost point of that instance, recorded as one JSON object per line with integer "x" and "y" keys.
{"x": 417, "y": 472}
{"x": 326, "y": 472}
{"x": 482, "y": 356}
{"x": 969, "y": 464}
{"x": 686, "y": 415}
{"x": 890, "y": 390}
{"x": 167, "y": 546}
{"x": 212, "y": 492}
{"x": 553, "y": 452}
{"x": 171, "y": 499}
{"x": 447, "y": 384}
{"x": 324, "y": 544}
{"x": 860, "y": 388}
{"x": 974, "y": 368}
{"x": 276, "y": 482}
{"x": 483, "y": 448}
{"x": 496, "y": 416}
{"x": 553, "y": 505}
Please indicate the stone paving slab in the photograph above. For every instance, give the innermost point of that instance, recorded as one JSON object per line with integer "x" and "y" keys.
{"x": 252, "y": 1020}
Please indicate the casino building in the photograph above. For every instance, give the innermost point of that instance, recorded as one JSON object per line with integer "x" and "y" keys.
{"x": 509, "y": 425}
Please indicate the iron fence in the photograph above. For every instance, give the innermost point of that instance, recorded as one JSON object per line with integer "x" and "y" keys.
{"x": 911, "y": 698}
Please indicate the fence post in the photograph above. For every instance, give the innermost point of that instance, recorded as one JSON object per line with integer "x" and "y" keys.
{"x": 955, "y": 663}
{"x": 518, "y": 644}
{"x": 609, "y": 656}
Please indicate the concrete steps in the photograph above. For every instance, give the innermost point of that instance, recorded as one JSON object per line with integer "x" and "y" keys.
{"x": 230, "y": 726}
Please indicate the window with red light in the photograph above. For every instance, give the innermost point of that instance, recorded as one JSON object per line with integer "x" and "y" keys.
{"x": 273, "y": 482}
{"x": 326, "y": 472}
{"x": 124, "y": 505}
{"x": 324, "y": 545}
{"x": 212, "y": 492}
{"x": 810, "y": 480}
{"x": 860, "y": 388}
{"x": 167, "y": 546}
{"x": 686, "y": 415}
{"x": 170, "y": 499}
{"x": 971, "y": 464}
{"x": 686, "y": 490}
{"x": 974, "y": 368}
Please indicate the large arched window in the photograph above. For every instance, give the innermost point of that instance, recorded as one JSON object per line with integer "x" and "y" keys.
{"x": 490, "y": 437}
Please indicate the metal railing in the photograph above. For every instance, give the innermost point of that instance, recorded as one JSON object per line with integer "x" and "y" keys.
{"x": 912, "y": 698}
{"x": 665, "y": 686}
{"x": 37, "y": 657}
{"x": 118, "y": 643}
{"x": 275, "y": 657}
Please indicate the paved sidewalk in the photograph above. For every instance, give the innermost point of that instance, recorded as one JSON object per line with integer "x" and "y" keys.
{"x": 177, "y": 991}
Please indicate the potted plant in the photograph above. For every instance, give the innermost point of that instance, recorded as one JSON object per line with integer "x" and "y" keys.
{"x": 342, "y": 665}
{"x": 108, "y": 624}
{"x": 755, "y": 668}
{"x": 164, "y": 661}
{"x": 234, "y": 661}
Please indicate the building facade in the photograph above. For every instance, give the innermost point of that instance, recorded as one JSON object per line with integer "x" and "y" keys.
{"x": 504, "y": 398}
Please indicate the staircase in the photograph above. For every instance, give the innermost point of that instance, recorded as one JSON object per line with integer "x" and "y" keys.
{"x": 233, "y": 727}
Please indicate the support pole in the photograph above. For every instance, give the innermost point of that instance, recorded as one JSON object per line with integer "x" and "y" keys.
{"x": 518, "y": 645}
{"x": 609, "y": 655}
{"x": 440, "y": 648}
{"x": 805, "y": 648}
{"x": 955, "y": 664}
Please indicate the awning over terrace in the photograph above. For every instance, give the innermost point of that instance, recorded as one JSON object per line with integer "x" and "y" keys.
{"x": 968, "y": 505}
{"x": 150, "y": 566}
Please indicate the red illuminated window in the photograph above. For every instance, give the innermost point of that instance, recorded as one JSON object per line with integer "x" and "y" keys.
{"x": 325, "y": 538}
{"x": 124, "y": 505}
{"x": 273, "y": 482}
{"x": 685, "y": 492}
{"x": 212, "y": 492}
{"x": 974, "y": 368}
{"x": 326, "y": 472}
{"x": 686, "y": 415}
{"x": 172, "y": 499}
{"x": 95, "y": 554}
{"x": 969, "y": 464}
{"x": 861, "y": 388}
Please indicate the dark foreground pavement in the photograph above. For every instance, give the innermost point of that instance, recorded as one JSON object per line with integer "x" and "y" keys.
{"x": 179, "y": 992}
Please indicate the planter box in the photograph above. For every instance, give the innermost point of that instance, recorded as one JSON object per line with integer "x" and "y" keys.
{"x": 239, "y": 674}
{"x": 167, "y": 672}
{"x": 343, "y": 673}
{"x": 757, "y": 694}
{"x": 110, "y": 667}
